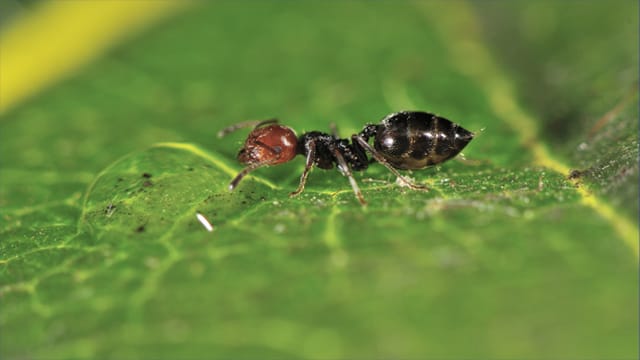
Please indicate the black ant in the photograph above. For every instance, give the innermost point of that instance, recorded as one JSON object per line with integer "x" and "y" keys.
{"x": 405, "y": 140}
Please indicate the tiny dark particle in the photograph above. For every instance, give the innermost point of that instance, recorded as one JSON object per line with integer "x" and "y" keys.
{"x": 120, "y": 179}
{"x": 624, "y": 172}
{"x": 190, "y": 169}
{"x": 575, "y": 174}
{"x": 109, "y": 209}
{"x": 140, "y": 228}
{"x": 147, "y": 183}
{"x": 146, "y": 175}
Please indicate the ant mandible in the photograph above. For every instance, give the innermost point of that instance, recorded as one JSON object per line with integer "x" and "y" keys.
{"x": 405, "y": 140}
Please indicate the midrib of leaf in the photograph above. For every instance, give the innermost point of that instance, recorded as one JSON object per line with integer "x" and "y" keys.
{"x": 474, "y": 59}
{"x": 215, "y": 161}
{"x": 190, "y": 148}
{"x": 150, "y": 284}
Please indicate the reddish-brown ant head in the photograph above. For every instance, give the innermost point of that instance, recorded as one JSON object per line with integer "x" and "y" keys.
{"x": 269, "y": 145}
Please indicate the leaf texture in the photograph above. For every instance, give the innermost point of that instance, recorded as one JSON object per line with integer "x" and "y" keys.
{"x": 527, "y": 249}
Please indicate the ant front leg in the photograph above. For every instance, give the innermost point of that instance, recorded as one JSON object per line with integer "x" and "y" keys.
{"x": 379, "y": 158}
{"x": 311, "y": 155}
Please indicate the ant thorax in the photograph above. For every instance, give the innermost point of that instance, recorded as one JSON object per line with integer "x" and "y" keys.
{"x": 324, "y": 147}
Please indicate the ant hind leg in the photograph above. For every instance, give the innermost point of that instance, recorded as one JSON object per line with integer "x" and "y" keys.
{"x": 346, "y": 171}
{"x": 381, "y": 160}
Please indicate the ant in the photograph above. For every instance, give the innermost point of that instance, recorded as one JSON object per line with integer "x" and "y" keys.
{"x": 405, "y": 140}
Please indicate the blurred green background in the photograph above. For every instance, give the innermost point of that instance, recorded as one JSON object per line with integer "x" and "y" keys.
{"x": 506, "y": 257}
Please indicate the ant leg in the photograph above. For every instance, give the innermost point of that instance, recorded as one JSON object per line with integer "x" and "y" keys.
{"x": 334, "y": 130}
{"x": 236, "y": 180}
{"x": 311, "y": 155}
{"x": 381, "y": 160}
{"x": 244, "y": 124}
{"x": 346, "y": 171}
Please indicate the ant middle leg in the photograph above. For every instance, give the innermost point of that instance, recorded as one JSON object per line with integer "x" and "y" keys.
{"x": 346, "y": 171}
{"x": 383, "y": 161}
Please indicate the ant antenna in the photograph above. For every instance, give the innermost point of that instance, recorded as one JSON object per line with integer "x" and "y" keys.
{"x": 244, "y": 173}
{"x": 241, "y": 125}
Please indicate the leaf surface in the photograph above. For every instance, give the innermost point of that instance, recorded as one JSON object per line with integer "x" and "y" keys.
{"x": 103, "y": 256}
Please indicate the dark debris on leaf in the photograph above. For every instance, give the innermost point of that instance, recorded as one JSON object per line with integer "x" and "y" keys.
{"x": 109, "y": 209}
{"x": 576, "y": 174}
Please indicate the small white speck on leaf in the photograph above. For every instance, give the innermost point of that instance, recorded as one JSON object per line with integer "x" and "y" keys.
{"x": 203, "y": 220}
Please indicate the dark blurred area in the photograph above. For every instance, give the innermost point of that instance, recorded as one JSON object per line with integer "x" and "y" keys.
{"x": 576, "y": 66}
{"x": 12, "y": 9}
{"x": 573, "y": 60}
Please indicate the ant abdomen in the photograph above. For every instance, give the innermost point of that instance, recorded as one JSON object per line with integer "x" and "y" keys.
{"x": 415, "y": 140}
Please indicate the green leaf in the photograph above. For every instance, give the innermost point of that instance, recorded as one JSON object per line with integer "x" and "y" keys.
{"x": 102, "y": 254}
